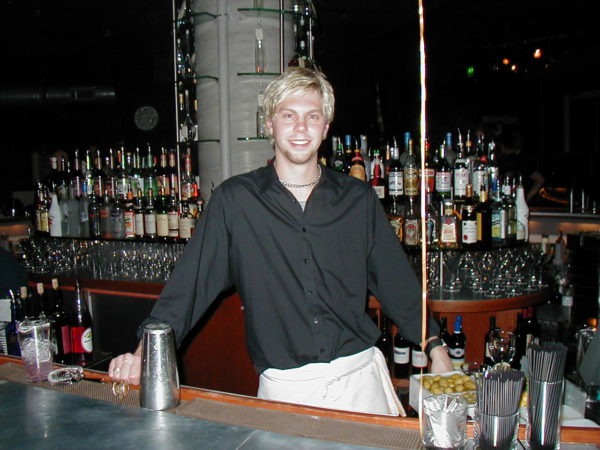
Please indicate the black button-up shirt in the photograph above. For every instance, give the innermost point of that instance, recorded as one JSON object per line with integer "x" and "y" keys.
{"x": 303, "y": 276}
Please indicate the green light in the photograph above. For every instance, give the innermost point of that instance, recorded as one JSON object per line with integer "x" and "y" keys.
{"x": 470, "y": 71}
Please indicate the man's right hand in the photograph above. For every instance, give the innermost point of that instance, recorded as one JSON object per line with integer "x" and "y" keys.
{"x": 127, "y": 367}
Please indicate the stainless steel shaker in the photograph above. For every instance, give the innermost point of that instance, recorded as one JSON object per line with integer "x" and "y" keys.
{"x": 159, "y": 379}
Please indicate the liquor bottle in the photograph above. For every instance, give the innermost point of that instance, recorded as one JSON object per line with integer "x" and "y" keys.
{"x": 396, "y": 173}
{"x": 531, "y": 328}
{"x": 339, "y": 160}
{"x": 488, "y": 337}
{"x": 42, "y": 226}
{"x": 138, "y": 217}
{"x": 428, "y": 172}
{"x": 76, "y": 175}
{"x": 98, "y": 176}
{"x": 460, "y": 170}
{"x": 129, "y": 217}
{"x": 511, "y": 212}
{"x": 300, "y": 57}
{"x": 377, "y": 181}
{"x": 480, "y": 176}
{"x": 150, "y": 217}
{"x": 522, "y": 213}
{"x": 162, "y": 174}
{"x": 470, "y": 155}
{"x": 54, "y": 217}
{"x": 172, "y": 173}
{"x": 444, "y": 336}
{"x": 136, "y": 179}
{"x": 64, "y": 213}
{"x": 457, "y": 345}
{"x": 492, "y": 165}
{"x": 162, "y": 217}
{"x": 384, "y": 343}
{"x": 432, "y": 219}
{"x": 27, "y": 304}
{"x": 469, "y": 221}
{"x": 260, "y": 114}
{"x": 62, "y": 181}
{"x": 418, "y": 359}
{"x": 187, "y": 182}
{"x": 483, "y": 213}
{"x": 41, "y": 302}
{"x": 105, "y": 212}
{"x": 82, "y": 343}
{"x": 121, "y": 175}
{"x": 449, "y": 149}
{"x": 185, "y": 222}
{"x": 449, "y": 226}
{"x": 109, "y": 174}
{"x": 54, "y": 178}
{"x": 61, "y": 329}
{"x": 348, "y": 153}
{"x": 12, "y": 337}
{"x": 95, "y": 223}
{"x": 443, "y": 176}
{"x": 150, "y": 175}
{"x": 259, "y": 50}
{"x": 412, "y": 228}
{"x": 87, "y": 169}
{"x": 401, "y": 357}
{"x": 520, "y": 342}
{"x": 364, "y": 151}
{"x": 411, "y": 173}
{"x": 499, "y": 218}
{"x": 117, "y": 218}
{"x": 173, "y": 217}
{"x": 406, "y": 142}
{"x": 73, "y": 216}
{"x": 84, "y": 216}
{"x": 357, "y": 170}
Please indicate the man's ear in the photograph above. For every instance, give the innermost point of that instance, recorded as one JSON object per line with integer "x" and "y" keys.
{"x": 269, "y": 124}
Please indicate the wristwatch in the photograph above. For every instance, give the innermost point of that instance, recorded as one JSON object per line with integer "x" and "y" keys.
{"x": 433, "y": 343}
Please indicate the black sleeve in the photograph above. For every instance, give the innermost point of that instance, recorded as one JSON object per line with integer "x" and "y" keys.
{"x": 200, "y": 275}
{"x": 392, "y": 279}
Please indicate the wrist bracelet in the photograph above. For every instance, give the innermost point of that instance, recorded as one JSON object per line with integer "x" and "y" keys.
{"x": 433, "y": 343}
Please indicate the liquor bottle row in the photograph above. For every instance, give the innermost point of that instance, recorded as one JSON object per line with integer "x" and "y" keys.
{"x": 467, "y": 203}
{"x": 406, "y": 358}
{"x": 71, "y": 330}
{"x": 129, "y": 199}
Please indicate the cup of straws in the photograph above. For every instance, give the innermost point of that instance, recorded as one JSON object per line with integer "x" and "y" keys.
{"x": 497, "y": 414}
{"x": 546, "y": 386}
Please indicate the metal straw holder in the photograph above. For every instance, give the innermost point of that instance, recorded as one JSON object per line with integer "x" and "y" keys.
{"x": 160, "y": 379}
{"x": 544, "y": 411}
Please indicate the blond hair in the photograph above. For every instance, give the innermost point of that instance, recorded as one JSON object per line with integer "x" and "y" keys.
{"x": 298, "y": 81}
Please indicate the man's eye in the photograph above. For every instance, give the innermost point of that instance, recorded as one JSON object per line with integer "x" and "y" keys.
{"x": 314, "y": 117}
{"x": 287, "y": 116}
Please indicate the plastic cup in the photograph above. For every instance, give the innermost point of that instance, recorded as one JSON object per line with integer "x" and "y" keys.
{"x": 36, "y": 348}
{"x": 496, "y": 432}
{"x": 444, "y": 422}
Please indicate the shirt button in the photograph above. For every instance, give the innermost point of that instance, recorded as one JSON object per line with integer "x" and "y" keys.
{"x": 309, "y": 292}
{"x": 304, "y": 229}
{"x": 316, "y": 320}
{"x": 306, "y": 260}
{"x": 322, "y": 350}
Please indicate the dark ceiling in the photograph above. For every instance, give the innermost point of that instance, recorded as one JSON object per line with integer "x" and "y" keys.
{"x": 125, "y": 47}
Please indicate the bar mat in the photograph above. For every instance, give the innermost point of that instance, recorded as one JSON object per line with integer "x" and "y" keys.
{"x": 90, "y": 389}
{"x": 309, "y": 426}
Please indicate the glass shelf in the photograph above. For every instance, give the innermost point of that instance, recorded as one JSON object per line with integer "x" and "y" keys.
{"x": 202, "y": 17}
{"x": 252, "y": 138}
{"x": 261, "y": 12}
{"x": 202, "y": 141}
{"x": 206, "y": 77}
{"x": 258, "y": 75}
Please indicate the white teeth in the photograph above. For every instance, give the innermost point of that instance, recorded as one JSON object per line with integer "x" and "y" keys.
{"x": 299, "y": 142}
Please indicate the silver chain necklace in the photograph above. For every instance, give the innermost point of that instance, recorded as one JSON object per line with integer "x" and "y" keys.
{"x": 302, "y": 186}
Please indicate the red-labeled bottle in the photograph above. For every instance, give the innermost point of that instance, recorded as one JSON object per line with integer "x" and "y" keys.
{"x": 82, "y": 344}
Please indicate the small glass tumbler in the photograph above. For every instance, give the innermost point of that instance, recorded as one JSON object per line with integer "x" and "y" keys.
{"x": 544, "y": 412}
{"x": 36, "y": 348}
{"x": 496, "y": 432}
{"x": 444, "y": 422}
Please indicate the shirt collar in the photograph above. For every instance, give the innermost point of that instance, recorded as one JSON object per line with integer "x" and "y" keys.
{"x": 269, "y": 177}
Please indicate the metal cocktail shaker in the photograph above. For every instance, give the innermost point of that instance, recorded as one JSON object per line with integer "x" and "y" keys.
{"x": 159, "y": 379}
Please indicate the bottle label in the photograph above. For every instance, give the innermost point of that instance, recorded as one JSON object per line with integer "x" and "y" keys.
{"x": 129, "y": 223}
{"x": 380, "y": 191}
{"x": 44, "y": 222}
{"x": 411, "y": 181}
{"x": 419, "y": 359}
{"x": 479, "y": 181}
{"x": 411, "y": 232}
{"x": 443, "y": 182}
{"x": 397, "y": 225}
{"x": 429, "y": 175}
{"x": 139, "y": 224}
{"x": 173, "y": 221}
{"x": 401, "y": 355}
{"x": 448, "y": 231}
{"x": 185, "y": 228}
{"x": 358, "y": 171}
{"x": 461, "y": 179}
{"x": 469, "y": 231}
{"x": 162, "y": 225}
{"x": 150, "y": 224}
{"x": 81, "y": 340}
{"x": 396, "y": 183}
{"x": 499, "y": 225}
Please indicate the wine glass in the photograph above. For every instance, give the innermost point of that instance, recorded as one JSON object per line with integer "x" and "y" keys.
{"x": 502, "y": 348}
{"x": 451, "y": 259}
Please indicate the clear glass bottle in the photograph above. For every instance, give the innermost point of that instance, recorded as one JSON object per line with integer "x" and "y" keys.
{"x": 522, "y": 213}
{"x": 260, "y": 114}
{"x": 411, "y": 173}
{"x": 259, "y": 50}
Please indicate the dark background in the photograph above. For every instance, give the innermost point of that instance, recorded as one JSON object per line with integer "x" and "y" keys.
{"x": 74, "y": 72}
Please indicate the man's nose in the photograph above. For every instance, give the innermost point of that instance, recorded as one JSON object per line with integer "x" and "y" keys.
{"x": 300, "y": 123}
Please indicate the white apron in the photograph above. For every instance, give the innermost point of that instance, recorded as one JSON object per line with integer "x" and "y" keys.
{"x": 359, "y": 383}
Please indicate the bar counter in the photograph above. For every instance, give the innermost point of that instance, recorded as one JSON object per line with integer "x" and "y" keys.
{"x": 86, "y": 414}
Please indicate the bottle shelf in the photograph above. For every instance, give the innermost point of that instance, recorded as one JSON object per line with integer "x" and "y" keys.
{"x": 258, "y": 74}
{"x": 267, "y": 12}
{"x": 252, "y": 138}
{"x": 206, "y": 77}
{"x": 203, "y": 141}
{"x": 203, "y": 16}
